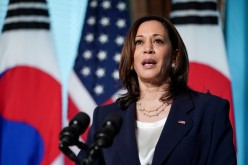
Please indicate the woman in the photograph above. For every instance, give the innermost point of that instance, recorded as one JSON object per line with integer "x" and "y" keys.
{"x": 164, "y": 121}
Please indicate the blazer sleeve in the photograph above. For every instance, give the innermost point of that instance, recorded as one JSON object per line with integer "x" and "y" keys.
{"x": 222, "y": 150}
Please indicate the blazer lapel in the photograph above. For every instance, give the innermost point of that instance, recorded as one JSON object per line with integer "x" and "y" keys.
{"x": 177, "y": 125}
{"x": 127, "y": 136}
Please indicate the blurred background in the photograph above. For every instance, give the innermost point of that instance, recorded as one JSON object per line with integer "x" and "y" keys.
{"x": 67, "y": 22}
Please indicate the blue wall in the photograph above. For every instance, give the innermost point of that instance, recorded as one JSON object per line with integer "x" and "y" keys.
{"x": 236, "y": 40}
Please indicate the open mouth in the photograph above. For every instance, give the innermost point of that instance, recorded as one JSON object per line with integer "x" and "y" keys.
{"x": 148, "y": 63}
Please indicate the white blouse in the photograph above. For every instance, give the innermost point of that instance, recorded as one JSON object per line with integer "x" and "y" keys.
{"x": 147, "y": 137}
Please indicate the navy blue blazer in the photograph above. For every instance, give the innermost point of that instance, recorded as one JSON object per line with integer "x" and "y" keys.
{"x": 203, "y": 137}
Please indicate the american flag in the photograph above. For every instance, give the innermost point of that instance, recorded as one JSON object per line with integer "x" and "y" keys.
{"x": 95, "y": 78}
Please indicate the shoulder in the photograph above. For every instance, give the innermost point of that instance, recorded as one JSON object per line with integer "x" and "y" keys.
{"x": 113, "y": 107}
{"x": 102, "y": 111}
{"x": 208, "y": 104}
{"x": 206, "y": 98}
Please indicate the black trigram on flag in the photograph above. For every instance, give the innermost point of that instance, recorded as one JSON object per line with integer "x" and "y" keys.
{"x": 194, "y": 12}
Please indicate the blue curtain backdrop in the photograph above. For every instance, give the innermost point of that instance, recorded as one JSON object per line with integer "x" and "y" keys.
{"x": 237, "y": 50}
{"x": 67, "y": 18}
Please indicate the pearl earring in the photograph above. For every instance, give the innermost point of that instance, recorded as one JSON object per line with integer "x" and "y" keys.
{"x": 173, "y": 65}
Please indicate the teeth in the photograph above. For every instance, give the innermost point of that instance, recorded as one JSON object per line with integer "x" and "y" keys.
{"x": 148, "y": 65}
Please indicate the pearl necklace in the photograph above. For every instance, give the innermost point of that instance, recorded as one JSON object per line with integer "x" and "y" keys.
{"x": 151, "y": 113}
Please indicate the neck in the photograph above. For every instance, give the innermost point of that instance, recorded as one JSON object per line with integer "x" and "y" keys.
{"x": 151, "y": 92}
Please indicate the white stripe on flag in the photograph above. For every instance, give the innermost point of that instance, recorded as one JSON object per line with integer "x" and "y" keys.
{"x": 27, "y": 5}
{"x": 80, "y": 95}
{"x": 212, "y": 52}
{"x": 15, "y": 19}
{"x": 17, "y": 49}
{"x": 193, "y": 13}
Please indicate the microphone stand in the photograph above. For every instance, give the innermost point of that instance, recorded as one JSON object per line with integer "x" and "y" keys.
{"x": 69, "y": 136}
{"x": 82, "y": 146}
{"x": 103, "y": 137}
{"x": 66, "y": 150}
{"x": 92, "y": 155}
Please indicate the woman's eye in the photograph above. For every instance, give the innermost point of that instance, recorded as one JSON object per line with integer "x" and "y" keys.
{"x": 158, "y": 41}
{"x": 138, "y": 42}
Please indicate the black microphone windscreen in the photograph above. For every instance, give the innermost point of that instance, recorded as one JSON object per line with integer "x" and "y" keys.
{"x": 110, "y": 127}
{"x": 113, "y": 119}
{"x": 81, "y": 121}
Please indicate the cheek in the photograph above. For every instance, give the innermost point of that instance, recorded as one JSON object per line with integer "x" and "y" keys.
{"x": 166, "y": 51}
{"x": 135, "y": 60}
{"x": 137, "y": 50}
{"x": 136, "y": 56}
{"x": 165, "y": 54}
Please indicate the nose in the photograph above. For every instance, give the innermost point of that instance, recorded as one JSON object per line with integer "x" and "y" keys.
{"x": 148, "y": 48}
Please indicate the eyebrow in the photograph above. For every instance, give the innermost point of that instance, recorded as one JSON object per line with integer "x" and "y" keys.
{"x": 154, "y": 35}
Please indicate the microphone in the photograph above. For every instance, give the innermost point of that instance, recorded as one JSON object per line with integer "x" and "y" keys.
{"x": 69, "y": 136}
{"x": 104, "y": 137}
{"x": 111, "y": 126}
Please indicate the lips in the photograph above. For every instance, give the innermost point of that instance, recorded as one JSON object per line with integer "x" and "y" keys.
{"x": 148, "y": 63}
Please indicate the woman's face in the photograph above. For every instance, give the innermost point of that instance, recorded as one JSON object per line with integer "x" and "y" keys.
{"x": 152, "y": 46}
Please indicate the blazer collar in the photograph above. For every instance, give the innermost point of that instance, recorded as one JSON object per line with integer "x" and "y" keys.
{"x": 127, "y": 135}
{"x": 177, "y": 125}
